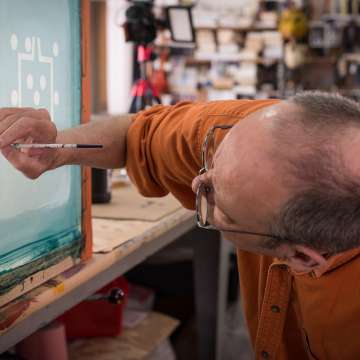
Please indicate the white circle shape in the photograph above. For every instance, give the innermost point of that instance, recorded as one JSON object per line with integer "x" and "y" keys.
{"x": 43, "y": 82}
{"x": 55, "y": 48}
{"x": 28, "y": 44}
{"x": 56, "y": 98}
{"x": 30, "y": 81}
{"x": 14, "y": 98}
{"x": 36, "y": 98}
{"x": 14, "y": 41}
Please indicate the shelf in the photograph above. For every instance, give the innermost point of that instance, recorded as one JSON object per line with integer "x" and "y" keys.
{"x": 176, "y": 45}
{"x": 236, "y": 57}
{"x": 238, "y": 28}
{"x": 216, "y": 57}
{"x": 134, "y": 344}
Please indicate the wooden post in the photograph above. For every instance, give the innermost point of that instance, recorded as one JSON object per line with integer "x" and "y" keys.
{"x": 85, "y": 117}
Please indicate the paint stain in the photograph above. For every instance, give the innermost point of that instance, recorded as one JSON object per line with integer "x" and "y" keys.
{"x": 10, "y": 313}
{"x": 59, "y": 289}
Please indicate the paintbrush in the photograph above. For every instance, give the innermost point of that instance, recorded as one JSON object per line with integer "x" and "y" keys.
{"x": 56, "y": 146}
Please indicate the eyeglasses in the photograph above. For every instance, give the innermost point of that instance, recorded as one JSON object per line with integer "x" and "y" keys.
{"x": 203, "y": 207}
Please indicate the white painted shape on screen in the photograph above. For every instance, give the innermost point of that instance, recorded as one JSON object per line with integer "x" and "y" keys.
{"x": 14, "y": 42}
{"x": 56, "y": 98}
{"x": 36, "y": 98}
{"x": 43, "y": 82}
{"x": 28, "y": 46}
{"x": 14, "y": 98}
{"x": 30, "y": 81}
{"x": 32, "y": 47}
{"x": 55, "y": 49}
{"x": 29, "y": 57}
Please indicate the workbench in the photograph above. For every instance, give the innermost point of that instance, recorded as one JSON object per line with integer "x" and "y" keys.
{"x": 42, "y": 305}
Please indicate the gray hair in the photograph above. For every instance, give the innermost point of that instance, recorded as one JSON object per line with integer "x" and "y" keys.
{"x": 324, "y": 212}
{"x": 327, "y": 109}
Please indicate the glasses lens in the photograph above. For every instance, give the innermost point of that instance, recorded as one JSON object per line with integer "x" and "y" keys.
{"x": 209, "y": 153}
{"x": 201, "y": 206}
{"x": 210, "y": 145}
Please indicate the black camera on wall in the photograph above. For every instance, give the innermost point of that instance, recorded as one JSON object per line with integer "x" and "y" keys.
{"x": 141, "y": 24}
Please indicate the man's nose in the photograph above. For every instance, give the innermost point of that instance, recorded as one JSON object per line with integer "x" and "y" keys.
{"x": 201, "y": 179}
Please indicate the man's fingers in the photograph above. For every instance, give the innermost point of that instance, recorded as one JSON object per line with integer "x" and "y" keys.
{"x": 23, "y": 128}
{"x": 11, "y": 118}
{"x": 26, "y": 125}
{"x": 31, "y": 112}
{"x": 37, "y": 152}
{"x": 7, "y": 122}
{"x": 42, "y": 113}
{"x": 5, "y": 112}
{"x": 14, "y": 109}
{"x": 16, "y": 123}
{"x": 22, "y": 162}
{"x": 6, "y": 151}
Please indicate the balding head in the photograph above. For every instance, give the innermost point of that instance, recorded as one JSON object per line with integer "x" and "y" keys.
{"x": 292, "y": 169}
{"x": 245, "y": 176}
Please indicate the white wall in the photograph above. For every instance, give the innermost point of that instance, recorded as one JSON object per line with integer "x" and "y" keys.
{"x": 119, "y": 59}
{"x": 119, "y": 53}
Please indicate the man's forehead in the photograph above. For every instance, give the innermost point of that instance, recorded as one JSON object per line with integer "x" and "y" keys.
{"x": 224, "y": 176}
{"x": 242, "y": 164}
{"x": 224, "y": 163}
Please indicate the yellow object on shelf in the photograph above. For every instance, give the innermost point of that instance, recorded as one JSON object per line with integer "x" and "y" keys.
{"x": 293, "y": 24}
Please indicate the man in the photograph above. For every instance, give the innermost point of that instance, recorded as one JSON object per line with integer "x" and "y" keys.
{"x": 283, "y": 186}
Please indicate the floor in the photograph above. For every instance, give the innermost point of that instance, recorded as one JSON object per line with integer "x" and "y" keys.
{"x": 236, "y": 343}
{"x": 175, "y": 298}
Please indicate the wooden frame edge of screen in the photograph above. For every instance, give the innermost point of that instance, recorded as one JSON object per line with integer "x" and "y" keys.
{"x": 85, "y": 117}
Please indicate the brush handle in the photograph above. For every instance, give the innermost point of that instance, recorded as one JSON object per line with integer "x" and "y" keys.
{"x": 57, "y": 146}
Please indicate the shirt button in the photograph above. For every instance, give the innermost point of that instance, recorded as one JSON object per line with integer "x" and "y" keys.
{"x": 275, "y": 309}
{"x": 265, "y": 354}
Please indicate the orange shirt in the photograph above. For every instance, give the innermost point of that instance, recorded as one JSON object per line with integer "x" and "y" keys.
{"x": 289, "y": 316}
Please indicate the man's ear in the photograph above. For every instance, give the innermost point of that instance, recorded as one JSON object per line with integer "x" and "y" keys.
{"x": 305, "y": 259}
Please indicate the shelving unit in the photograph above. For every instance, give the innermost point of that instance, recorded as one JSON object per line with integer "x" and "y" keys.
{"x": 208, "y": 72}
{"x": 197, "y": 74}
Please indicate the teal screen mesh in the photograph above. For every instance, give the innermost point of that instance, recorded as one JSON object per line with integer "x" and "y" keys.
{"x": 40, "y": 68}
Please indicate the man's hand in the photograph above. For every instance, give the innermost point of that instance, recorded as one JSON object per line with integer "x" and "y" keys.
{"x": 26, "y": 125}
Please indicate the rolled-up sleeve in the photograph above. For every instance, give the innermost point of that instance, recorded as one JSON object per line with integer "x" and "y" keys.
{"x": 163, "y": 150}
{"x": 164, "y": 144}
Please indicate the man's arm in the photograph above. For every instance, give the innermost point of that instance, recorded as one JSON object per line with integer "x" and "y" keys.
{"x": 111, "y": 133}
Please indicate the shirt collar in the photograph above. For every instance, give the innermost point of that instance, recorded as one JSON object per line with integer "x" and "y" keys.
{"x": 332, "y": 263}
{"x": 335, "y": 261}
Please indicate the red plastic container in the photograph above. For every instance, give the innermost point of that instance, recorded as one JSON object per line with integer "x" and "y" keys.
{"x": 93, "y": 318}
